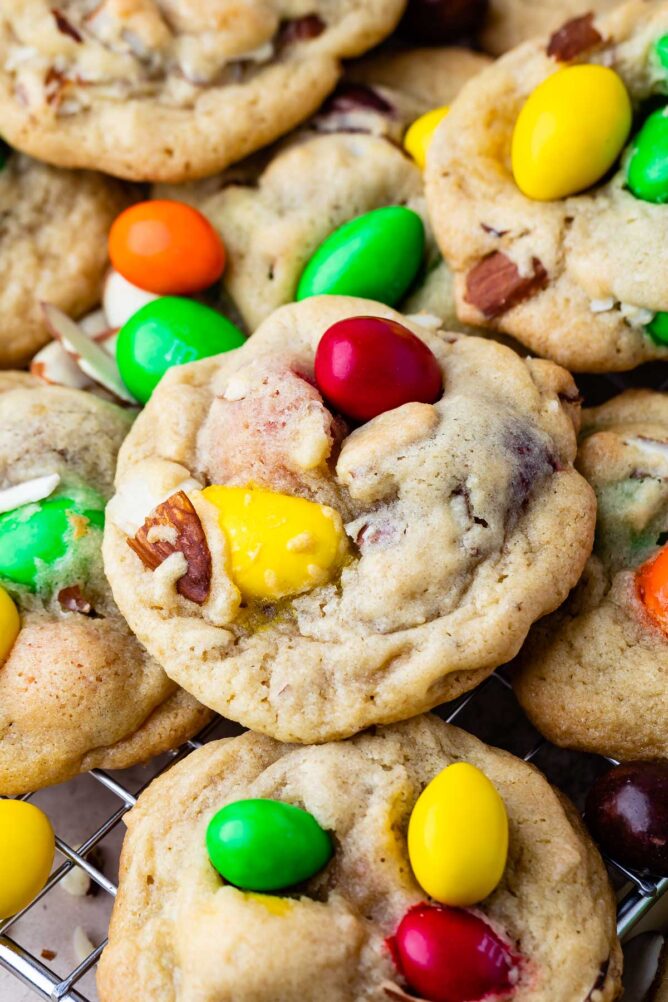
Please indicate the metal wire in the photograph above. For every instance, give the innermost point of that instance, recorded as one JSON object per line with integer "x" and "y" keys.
{"x": 638, "y": 895}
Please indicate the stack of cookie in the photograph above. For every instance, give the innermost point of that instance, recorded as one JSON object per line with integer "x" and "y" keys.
{"x": 302, "y": 444}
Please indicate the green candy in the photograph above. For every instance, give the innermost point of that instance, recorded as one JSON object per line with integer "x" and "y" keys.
{"x": 375, "y": 256}
{"x": 266, "y": 845}
{"x": 657, "y": 328}
{"x": 647, "y": 167}
{"x": 661, "y": 51}
{"x": 36, "y": 536}
{"x": 166, "y": 332}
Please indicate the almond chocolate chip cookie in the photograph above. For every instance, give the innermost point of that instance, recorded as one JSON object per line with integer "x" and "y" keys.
{"x": 76, "y": 689}
{"x": 594, "y": 675}
{"x": 53, "y": 246}
{"x": 576, "y": 269}
{"x": 275, "y": 210}
{"x": 180, "y": 931}
{"x": 171, "y": 89}
{"x": 309, "y": 573}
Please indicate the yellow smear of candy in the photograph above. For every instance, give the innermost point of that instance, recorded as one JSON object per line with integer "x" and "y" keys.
{"x": 277, "y": 906}
{"x": 10, "y": 624}
{"x": 420, "y": 134}
{"x": 279, "y": 545}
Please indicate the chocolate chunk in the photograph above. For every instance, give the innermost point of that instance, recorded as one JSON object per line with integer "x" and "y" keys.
{"x": 301, "y": 29}
{"x": 182, "y": 532}
{"x": 64, "y": 26}
{"x": 573, "y": 38}
{"x": 352, "y": 97}
{"x": 495, "y": 285}
{"x": 532, "y": 463}
{"x": 73, "y": 600}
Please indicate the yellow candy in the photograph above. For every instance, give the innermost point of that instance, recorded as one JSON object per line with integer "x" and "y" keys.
{"x": 10, "y": 624}
{"x": 458, "y": 836}
{"x": 420, "y": 134}
{"x": 570, "y": 131}
{"x": 273, "y": 904}
{"x": 279, "y": 545}
{"x": 27, "y": 845}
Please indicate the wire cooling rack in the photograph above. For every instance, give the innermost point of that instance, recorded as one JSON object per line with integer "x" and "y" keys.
{"x": 490, "y": 711}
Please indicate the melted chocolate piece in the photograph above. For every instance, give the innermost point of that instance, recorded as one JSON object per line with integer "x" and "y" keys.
{"x": 533, "y": 463}
{"x": 301, "y": 29}
{"x": 573, "y": 38}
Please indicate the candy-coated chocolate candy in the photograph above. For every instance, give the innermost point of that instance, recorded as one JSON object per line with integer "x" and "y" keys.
{"x": 279, "y": 545}
{"x": 367, "y": 365}
{"x": 166, "y": 247}
{"x": 10, "y": 624}
{"x": 570, "y": 131}
{"x": 657, "y": 328}
{"x": 37, "y": 535}
{"x": 169, "y": 331}
{"x": 627, "y": 813}
{"x": 375, "y": 256}
{"x": 27, "y": 845}
{"x": 647, "y": 167}
{"x": 652, "y": 587}
{"x": 420, "y": 134}
{"x": 451, "y": 955}
{"x": 437, "y": 22}
{"x": 661, "y": 51}
{"x": 121, "y": 299}
{"x": 266, "y": 845}
{"x": 458, "y": 836}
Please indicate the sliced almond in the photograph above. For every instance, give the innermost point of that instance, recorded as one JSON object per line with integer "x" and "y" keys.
{"x": 56, "y": 367}
{"x": 121, "y": 299}
{"x": 73, "y": 600}
{"x": 28, "y": 492}
{"x": 91, "y": 358}
{"x": 177, "y": 512}
{"x": 135, "y": 501}
{"x": 81, "y": 944}
{"x": 76, "y": 882}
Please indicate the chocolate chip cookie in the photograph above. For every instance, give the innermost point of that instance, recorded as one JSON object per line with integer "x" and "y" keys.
{"x": 76, "y": 690}
{"x": 594, "y": 675}
{"x": 274, "y": 210}
{"x": 345, "y": 573}
{"x": 171, "y": 89}
{"x": 53, "y": 246}
{"x": 179, "y": 931}
{"x": 580, "y": 279}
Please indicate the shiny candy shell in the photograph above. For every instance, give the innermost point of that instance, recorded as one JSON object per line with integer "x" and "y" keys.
{"x": 570, "y": 131}
{"x": 166, "y": 247}
{"x": 375, "y": 256}
{"x": 38, "y": 535}
{"x": 451, "y": 955}
{"x": 420, "y": 134}
{"x": 266, "y": 845}
{"x": 169, "y": 331}
{"x": 647, "y": 166}
{"x": 458, "y": 836}
{"x": 279, "y": 545}
{"x": 10, "y": 624}
{"x": 652, "y": 588}
{"x": 27, "y": 846}
{"x": 365, "y": 366}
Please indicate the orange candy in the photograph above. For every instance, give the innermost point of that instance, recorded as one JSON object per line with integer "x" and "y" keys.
{"x": 166, "y": 247}
{"x": 652, "y": 584}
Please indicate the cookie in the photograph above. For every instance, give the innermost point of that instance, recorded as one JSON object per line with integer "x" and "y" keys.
{"x": 168, "y": 91}
{"x": 273, "y": 212}
{"x": 510, "y": 22}
{"x": 560, "y": 274}
{"x": 327, "y": 939}
{"x": 464, "y": 522}
{"x": 594, "y": 675}
{"x": 76, "y": 689}
{"x": 53, "y": 247}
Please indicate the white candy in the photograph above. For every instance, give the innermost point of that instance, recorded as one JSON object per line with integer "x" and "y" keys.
{"x": 28, "y": 492}
{"x": 121, "y": 299}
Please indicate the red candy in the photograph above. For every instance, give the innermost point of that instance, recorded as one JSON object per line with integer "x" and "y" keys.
{"x": 452, "y": 955}
{"x": 367, "y": 365}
